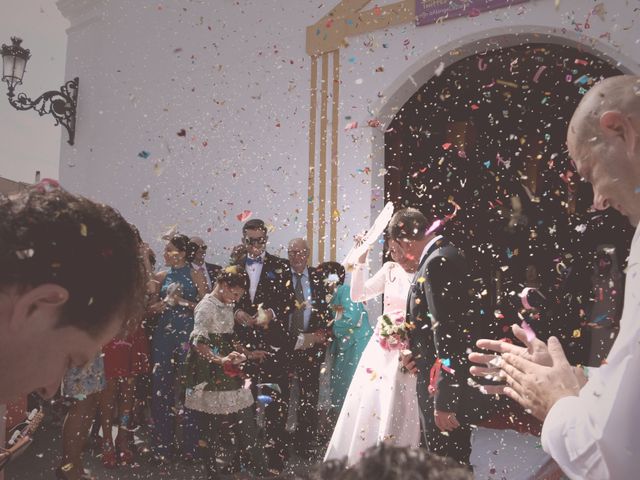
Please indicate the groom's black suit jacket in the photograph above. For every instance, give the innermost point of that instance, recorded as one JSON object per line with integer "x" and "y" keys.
{"x": 274, "y": 291}
{"x": 441, "y": 304}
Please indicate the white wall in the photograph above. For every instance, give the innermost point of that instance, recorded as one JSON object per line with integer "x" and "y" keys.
{"x": 31, "y": 142}
{"x": 242, "y": 71}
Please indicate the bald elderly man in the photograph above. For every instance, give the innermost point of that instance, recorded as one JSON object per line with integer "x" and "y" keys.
{"x": 591, "y": 419}
{"x": 308, "y": 326}
{"x": 209, "y": 270}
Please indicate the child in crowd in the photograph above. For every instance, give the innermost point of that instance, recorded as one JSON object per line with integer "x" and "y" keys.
{"x": 125, "y": 359}
{"x": 214, "y": 381}
{"x": 82, "y": 385}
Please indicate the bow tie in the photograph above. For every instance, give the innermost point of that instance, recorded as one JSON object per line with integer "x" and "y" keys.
{"x": 251, "y": 261}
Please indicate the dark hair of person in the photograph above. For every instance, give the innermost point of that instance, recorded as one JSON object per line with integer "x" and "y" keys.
{"x": 136, "y": 232}
{"x": 233, "y": 276}
{"x": 192, "y": 250}
{"x": 48, "y": 235}
{"x": 407, "y": 224}
{"x": 183, "y": 244}
{"x": 238, "y": 255}
{"x": 327, "y": 268}
{"x": 385, "y": 462}
{"x": 254, "y": 224}
{"x": 152, "y": 258}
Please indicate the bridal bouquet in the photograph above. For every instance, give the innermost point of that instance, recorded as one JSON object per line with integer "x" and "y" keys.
{"x": 393, "y": 331}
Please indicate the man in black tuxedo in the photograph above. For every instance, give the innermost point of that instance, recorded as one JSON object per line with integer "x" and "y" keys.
{"x": 308, "y": 326}
{"x": 442, "y": 307}
{"x": 209, "y": 270}
{"x": 262, "y": 321}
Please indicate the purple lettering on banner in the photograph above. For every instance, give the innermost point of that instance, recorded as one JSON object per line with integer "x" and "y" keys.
{"x": 432, "y": 11}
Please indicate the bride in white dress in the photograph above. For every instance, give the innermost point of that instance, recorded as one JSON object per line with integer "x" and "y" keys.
{"x": 381, "y": 403}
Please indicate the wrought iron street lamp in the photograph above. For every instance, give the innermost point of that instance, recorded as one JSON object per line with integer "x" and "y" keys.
{"x": 59, "y": 103}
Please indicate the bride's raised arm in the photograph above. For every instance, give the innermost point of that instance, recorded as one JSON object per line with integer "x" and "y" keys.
{"x": 363, "y": 289}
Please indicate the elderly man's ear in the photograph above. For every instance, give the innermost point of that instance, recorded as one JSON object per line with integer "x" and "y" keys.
{"x": 37, "y": 304}
{"x": 617, "y": 124}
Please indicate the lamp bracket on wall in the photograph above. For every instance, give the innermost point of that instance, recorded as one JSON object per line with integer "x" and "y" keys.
{"x": 61, "y": 104}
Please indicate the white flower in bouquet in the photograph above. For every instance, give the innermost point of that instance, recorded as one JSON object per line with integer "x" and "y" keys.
{"x": 393, "y": 331}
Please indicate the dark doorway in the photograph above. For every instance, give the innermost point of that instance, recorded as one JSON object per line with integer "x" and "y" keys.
{"x": 488, "y": 135}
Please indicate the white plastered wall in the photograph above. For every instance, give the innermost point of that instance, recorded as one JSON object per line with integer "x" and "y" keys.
{"x": 148, "y": 69}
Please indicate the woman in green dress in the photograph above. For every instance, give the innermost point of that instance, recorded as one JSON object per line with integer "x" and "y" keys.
{"x": 351, "y": 332}
{"x": 214, "y": 380}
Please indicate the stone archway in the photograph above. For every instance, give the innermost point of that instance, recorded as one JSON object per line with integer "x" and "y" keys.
{"x": 485, "y": 131}
{"x": 408, "y": 82}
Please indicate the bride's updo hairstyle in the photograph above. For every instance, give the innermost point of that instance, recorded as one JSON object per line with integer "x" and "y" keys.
{"x": 48, "y": 235}
{"x": 408, "y": 224}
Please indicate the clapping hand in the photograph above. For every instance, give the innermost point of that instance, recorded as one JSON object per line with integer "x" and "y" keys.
{"x": 173, "y": 294}
{"x": 243, "y": 319}
{"x": 535, "y": 351}
{"x": 263, "y": 317}
{"x": 234, "y": 358}
{"x": 536, "y": 376}
{"x": 257, "y": 355}
{"x": 537, "y": 387}
{"x": 178, "y": 300}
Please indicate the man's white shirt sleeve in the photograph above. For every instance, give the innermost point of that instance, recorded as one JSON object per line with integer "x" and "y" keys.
{"x": 596, "y": 435}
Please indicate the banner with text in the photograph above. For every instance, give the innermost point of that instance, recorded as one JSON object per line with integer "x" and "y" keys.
{"x": 432, "y": 11}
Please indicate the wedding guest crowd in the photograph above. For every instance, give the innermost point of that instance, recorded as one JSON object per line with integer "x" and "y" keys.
{"x": 81, "y": 303}
{"x": 219, "y": 342}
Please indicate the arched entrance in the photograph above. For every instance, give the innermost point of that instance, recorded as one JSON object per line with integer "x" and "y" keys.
{"x": 486, "y": 133}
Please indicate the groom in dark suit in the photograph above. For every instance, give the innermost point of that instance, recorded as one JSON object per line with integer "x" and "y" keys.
{"x": 442, "y": 308}
{"x": 270, "y": 288}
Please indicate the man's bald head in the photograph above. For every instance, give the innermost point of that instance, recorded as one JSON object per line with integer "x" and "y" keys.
{"x": 620, "y": 93}
{"x": 298, "y": 254}
{"x": 298, "y": 243}
{"x": 603, "y": 141}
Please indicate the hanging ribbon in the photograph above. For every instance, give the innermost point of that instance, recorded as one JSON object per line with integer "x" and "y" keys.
{"x": 439, "y": 223}
{"x": 434, "y": 375}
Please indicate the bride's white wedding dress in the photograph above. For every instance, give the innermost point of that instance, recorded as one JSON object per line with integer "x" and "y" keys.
{"x": 381, "y": 403}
